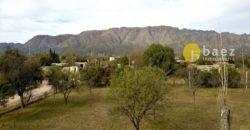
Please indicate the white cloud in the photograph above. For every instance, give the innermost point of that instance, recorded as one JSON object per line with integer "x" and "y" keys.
{"x": 20, "y": 20}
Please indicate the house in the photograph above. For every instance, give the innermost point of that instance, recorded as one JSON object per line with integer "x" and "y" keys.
{"x": 111, "y": 58}
{"x": 208, "y": 67}
{"x": 179, "y": 61}
{"x": 59, "y": 64}
{"x": 82, "y": 65}
{"x": 73, "y": 69}
{"x": 211, "y": 67}
{"x": 119, "y": 65}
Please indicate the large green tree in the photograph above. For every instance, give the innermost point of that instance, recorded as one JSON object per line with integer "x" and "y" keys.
{"x": 159, "y": 56}
{"x": 20, "y": 73}
{"x": 5, "y": 91}
{"x": 136, "y": 92}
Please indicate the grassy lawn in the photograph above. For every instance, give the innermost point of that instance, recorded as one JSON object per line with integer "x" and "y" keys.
{"x": 85, "y": 112}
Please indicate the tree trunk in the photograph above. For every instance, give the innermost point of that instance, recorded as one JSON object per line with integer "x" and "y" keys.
{"x": 136, "y": 124}
{"x": 65, "y": 99}
{"x": 22, "y": 101}
{"x": 137, "y": 127}
{"x": 225, "y": 119}
{"x": 194, "y": 94}
{"x": 174, "y": 82}
{"x": 54, "y": 94}
{"x": 28, "y": 99}
{"x": 90, "y": 90}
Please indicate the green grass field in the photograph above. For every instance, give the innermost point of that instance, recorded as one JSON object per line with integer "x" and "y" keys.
{"x": 85, "y": 112}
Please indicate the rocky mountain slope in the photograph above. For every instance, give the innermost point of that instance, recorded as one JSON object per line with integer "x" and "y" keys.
{"x": 127, "y": 40}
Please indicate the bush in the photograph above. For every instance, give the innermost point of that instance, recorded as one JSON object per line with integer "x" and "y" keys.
{"x": 200, "y": 78}
{"x": 212, "y": 78}
{"x": 233, "y": 78}
{"x": 5, "y": 92}
{"x": 208, "y": 79}
{"x": 97, "y": 76}
{"x": 123, "y": 60}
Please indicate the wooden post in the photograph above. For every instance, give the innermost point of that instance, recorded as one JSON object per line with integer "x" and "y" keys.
{"x": 129, "y": 61}
{"x": 243, "y": 65}
{"x": 225, "y": 121}
{"x": 246, "y": 79}
{"x": 189, "y": 79}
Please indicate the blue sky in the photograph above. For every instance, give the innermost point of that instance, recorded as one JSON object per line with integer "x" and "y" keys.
{"x": 20, "y": 20}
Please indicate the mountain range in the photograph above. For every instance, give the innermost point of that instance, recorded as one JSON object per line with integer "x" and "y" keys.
{"x": 126, "y": 40}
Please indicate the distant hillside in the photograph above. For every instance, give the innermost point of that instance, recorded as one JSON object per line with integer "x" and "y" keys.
{"x": 4, "y": 46}
{"x": 41, "y": 43}
{"x": 127, "y": 40}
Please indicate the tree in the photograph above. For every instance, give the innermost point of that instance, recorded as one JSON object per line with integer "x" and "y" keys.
{"x": 136, "y": 59}
{"x": 194, "y": 81}
{"x": 233, "y": 78}
{"x": 136, "y": 92}
{"x": 208, "y": 78}
{"x": 81, "y": 59}
{"x": 63, "y": 81}
{"x": 70, "y": 56}
{"x": 54, "y": 57}
{"x": 97, "y": 76}
{"x": 123, "y": 60}
{"x": 225, "y": 118}
{"x": 68, "y": 82}
{"x": 5, "y": 91}
{"x": 54, "y": 77}
{"x": 213, "y": 80}
{"x": 182, "y": 73}
{"x": 46, "y": 59}
{"x": 159, "y": 56}
{"x": 21, "y": 73}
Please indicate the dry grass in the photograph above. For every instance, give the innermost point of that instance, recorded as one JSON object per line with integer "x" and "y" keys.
{"x": 86, "y": 112}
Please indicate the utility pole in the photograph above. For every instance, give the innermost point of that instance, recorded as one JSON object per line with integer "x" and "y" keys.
{"x": 243, "y": 63}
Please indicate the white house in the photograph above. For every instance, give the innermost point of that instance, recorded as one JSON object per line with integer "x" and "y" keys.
{"x": 81, "y": 64}
{"x": 111, "y": 58}
{"x": 74, "y": 69}
{"x": 59, "y": 64}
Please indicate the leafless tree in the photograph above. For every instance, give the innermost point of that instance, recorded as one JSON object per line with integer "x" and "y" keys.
{"x": 225, "y": 119}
